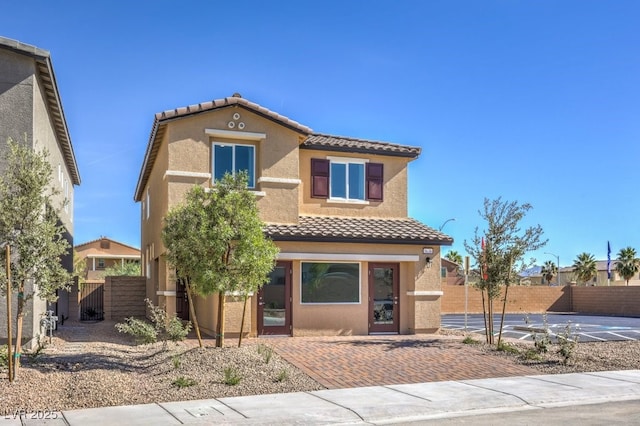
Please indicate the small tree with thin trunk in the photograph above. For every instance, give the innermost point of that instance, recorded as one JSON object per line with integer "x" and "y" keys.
{"x": 499, "y": 253}
{"x": 29, "y": 223}
{"x": 215, "y": 241}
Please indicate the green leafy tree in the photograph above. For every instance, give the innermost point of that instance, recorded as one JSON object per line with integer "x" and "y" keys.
{"x": 29, "y": 224}
{"x": 549, "y": 270}
{"x": 502, "y": 254}
{"x": 128, "y": 268}
{"x": 627, "y": 264}
{"x": 215, "y": 241}
{"x": 79, "y": 268}
{"x": 585, "y": 267}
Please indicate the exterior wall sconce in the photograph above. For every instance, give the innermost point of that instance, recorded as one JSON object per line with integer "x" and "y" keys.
{"x": 429, "y": 262}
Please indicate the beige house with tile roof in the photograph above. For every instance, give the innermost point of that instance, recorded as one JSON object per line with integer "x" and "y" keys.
{"x": 104, "y": 253}
{"x": 351, "y": 261}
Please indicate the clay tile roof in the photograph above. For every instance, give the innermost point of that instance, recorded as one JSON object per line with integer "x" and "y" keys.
{"x": 227, "y": 102}
{"x": 340, "y": 143}
{"x": 364, "y": 230}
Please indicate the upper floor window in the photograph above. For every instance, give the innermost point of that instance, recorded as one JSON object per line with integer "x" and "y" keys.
{"x": 232, "y": 158}
{"x": 346, "y": 179}
{"x": 100, "y": 264}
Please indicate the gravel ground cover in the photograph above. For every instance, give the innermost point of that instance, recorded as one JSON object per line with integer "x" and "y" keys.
{"x": 104, "y": 368}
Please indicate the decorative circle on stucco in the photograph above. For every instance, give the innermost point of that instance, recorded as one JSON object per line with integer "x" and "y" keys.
{"x": 241, "y": 125}
{"x": 236, "y": 116}
{"x": 231, "y": 124}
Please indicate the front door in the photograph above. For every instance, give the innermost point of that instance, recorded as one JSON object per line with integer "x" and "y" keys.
{"x": 274, "y": 302}
{"x": 384, "y": 307}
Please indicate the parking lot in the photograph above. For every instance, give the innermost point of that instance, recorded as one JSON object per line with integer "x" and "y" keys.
{"x": 589, "y": 328}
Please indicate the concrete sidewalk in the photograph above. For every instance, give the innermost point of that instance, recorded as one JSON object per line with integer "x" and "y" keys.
{"x": 524, "y": 398}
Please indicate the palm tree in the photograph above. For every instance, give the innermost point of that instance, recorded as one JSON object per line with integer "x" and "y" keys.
{"x": 549, "y": 270}
{"x": 454, "y": 256}
{"x": 585, "y": 267}
{"x": 628, "y": 264}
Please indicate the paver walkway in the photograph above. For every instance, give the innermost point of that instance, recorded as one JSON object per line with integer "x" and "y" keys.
{"x": 356, "y": 361}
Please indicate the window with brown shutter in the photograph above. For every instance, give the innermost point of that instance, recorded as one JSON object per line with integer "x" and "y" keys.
{"x": 375, "y": 172}
{"x": 319, "y": 178}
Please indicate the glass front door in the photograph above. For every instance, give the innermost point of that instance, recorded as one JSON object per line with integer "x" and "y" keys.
{"x": 274, "y": 302}
{"x": 384, "y": 307}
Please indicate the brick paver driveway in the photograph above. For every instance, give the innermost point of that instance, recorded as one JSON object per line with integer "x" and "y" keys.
{"x": 354, "y": 361}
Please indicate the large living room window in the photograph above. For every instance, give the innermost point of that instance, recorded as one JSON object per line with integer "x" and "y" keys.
{"x": 330, "y": 282}
{"x": 232, "y": 158}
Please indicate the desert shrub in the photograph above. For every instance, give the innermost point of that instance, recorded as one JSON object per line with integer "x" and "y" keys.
{"x": 142, "y": 331}
{"x": 162, "y": 327}
{"x": 505, "y": 347}
{"x": 468, "y": 340}
{"x": 176, "y": 361}
{"x": 231, "y": 376}
{"x": 184, "y": 382}
{"x": 4, "y": 356}
{"x": 541, "y": 341}
{"x": 567, "y": 341}
{"x": 266, "y": 352}
{"x": 282, "y": 375}
{"x": 176, "y": 331}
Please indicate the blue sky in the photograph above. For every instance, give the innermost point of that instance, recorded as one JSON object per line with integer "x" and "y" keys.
{"x": 536, "y": 101}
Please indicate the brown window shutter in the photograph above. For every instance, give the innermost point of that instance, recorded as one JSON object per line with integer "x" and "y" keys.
{"x": 319, "y": 178}
{"x": 375, "y": 180}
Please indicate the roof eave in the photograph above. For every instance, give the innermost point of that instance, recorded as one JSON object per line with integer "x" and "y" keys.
{"x": 359, "y": 151}
{"x": 329, "y": 239}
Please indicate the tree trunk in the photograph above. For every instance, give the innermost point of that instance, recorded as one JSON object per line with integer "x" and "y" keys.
{"x": 220, "y": 325}
{"x": 484, "y": 316}
{"x": 504, "y": 307}
{"x": 244, "y": 310}
{"x": 192, "y": 311}
{"x": 19, "y": 320}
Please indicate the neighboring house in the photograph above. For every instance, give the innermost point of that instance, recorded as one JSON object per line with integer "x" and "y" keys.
{"x": 31, "y": 113}
{"x": 568, "y": 277}
{"x": 451, "y": 273}
{"x": 533, "y": 276}
{"x": 351, "y": 261}
{"x": 104, "y": 253}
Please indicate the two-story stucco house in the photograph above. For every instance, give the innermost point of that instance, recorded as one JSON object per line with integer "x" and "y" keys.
{"x": 31, "y": 113}
{"x": 351, "y": 261}
{"x": 104, "y": 253}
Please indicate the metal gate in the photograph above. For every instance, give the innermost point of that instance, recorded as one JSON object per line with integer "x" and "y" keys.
{"x": 92, "y": 302}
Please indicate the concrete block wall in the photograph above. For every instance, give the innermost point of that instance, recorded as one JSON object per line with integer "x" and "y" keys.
{"x": 519, "y": 299}
{"x": 621, "y": 301}
{"x": 124, "y": 297}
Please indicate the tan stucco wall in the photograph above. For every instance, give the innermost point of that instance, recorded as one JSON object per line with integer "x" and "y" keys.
{"x": 394, "y": 204}
{"x": 417, "y": 313}
{"x": 189, "y": 149}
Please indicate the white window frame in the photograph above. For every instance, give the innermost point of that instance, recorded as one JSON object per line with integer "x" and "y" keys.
{"x": 250, "y": 185}
{"x": 346, "y": 161}
{"x": 359, "y": 302}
